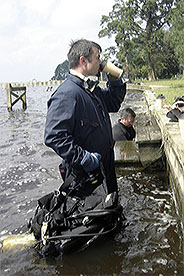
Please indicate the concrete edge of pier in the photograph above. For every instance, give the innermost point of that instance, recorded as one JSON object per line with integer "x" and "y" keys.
{"x": 174, "y": 150}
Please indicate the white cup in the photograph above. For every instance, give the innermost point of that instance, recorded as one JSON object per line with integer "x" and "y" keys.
{"x": 112, "y": 69}
{"x": 159, "y": 103}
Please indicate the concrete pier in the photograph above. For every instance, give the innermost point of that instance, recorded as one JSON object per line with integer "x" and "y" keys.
{"x": 173, "y": 145}
{"x": 155, "y": 136}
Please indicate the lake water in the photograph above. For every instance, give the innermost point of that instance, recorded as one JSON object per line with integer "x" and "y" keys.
{"x": 150, "y": 244}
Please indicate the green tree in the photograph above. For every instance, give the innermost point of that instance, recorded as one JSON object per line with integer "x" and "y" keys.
{"x": 168, "y": 65}
{"x": 135, "y": 25}
{"x": 177, "y": 31}
{"x": 61, "y": 70}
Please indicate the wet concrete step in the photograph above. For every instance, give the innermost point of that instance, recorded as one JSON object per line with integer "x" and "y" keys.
{"x": 147, "y": 131}
{"x": 130, "y": 155}
{"x": 146, "y": 148}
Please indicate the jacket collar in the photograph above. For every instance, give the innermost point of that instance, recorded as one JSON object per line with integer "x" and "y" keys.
{"x": 75, "y": 79}
{"x": 79, "y": 75}
{"x": 85, "y": 82}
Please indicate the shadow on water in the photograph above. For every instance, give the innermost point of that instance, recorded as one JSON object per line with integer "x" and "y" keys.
{"x": 150, "y": 244}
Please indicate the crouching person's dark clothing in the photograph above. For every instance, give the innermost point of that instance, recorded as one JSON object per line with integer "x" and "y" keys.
{"x": 173, "y": 114}
{"x": 78, "y": 120}
{"x": 122, "y": 132}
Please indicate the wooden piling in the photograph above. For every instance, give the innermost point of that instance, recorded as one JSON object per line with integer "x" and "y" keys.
{"x": 11, "y": 92}
{"x": 8, "y": 94}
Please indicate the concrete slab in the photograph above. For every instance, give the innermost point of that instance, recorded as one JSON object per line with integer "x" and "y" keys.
{"x": 138, "y": 153}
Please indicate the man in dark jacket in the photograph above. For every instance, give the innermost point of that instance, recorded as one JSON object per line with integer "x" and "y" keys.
{"x": 78, "y": 126}
{"x": 124, "y": 130}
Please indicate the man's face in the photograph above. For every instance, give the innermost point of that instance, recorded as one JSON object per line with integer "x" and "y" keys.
{"x": 128, "y": 122}
{"x": 93, "y": 65}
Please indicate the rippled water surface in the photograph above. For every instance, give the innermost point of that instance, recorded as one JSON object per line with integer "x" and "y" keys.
{"x": 150, "y": 244}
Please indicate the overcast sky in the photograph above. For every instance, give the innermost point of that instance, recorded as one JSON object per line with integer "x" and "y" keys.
{"x": 35, "y": 34}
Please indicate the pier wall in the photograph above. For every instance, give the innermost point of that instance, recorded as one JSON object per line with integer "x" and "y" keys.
{"x": 173, "y": 148}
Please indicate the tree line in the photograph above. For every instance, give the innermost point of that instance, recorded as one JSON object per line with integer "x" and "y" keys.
{"x": 148, "y": 36}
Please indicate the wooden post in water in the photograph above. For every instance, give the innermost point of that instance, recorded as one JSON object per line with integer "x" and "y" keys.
{"x": 11, "y": 91}
{"x": 8, "y": 94}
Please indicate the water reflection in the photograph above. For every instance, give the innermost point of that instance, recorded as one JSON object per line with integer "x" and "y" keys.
{"x": 150, "y": 244}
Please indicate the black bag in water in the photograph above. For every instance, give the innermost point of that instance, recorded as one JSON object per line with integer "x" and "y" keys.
{"x": 70, "y": 219}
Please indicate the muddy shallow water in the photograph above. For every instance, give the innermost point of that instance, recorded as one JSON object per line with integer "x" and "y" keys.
{"x": 150, "y": 244}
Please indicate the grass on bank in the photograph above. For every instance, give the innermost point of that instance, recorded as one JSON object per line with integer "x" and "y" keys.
{"x": 169, "y": 88}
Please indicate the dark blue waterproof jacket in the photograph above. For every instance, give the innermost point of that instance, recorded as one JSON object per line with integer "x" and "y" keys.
{"x": 78, "y": 120}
